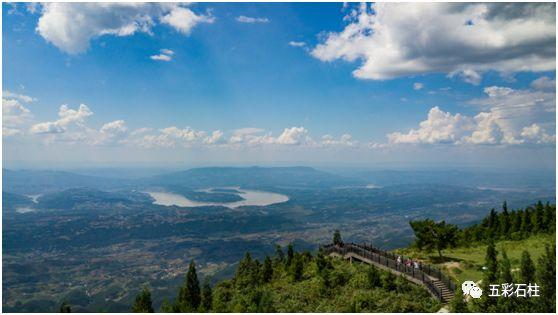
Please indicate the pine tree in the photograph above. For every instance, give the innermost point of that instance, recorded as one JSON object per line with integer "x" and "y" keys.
{"x": 167, "y": 307}
{"x": 538, "y": 218}
{"x": 189, "y": 297}
{"x": 546, "y": 277}
{"x": 279, "y": 255}
{"x": 526, "y": 222}
{"x": 550, "y": 217}
{"x": 527, "y": 269}
{"x": 65, "y": 308}
{"x": 491, "y": 262}
{"x": 505, "y": 269}
{"x": 290, "y": 254}
{"x": 492, "y": 222}
{"x": 337, "y": 240}
{"x": 506, "y": 305}
{"x": 297, "y": 268}
{"x": 267, "y": 271}
{"x": 504, "y": 221}
{"x": 458, "y": 304}
{"x": 206, "y": 296}
{"x": 143, "y": 302}
{"x": 516, "y": 221}
{"x": 490, "y": 276}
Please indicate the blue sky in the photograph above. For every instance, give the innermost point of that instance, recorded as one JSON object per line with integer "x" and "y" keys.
{"x": 277, "y": 83}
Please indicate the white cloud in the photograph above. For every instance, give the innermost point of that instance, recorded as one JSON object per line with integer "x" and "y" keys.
{"x": 345, "y": 140}
{"x": 439, "y": 127}
{"x": 418, "y": 86}
{"x": 183, "y": 19}
{"x": 161, "y": 57}
{"x": 544, "y": 84}
{"x": 294, "y": 136}
{"x": 536, "y": 134}
{"x": 401, "y": 39}
{"x": 24, "y": 98}
{"x": 67, "y": 116}
{"x": 251, "y": 20}
{"x": 297, "y": 44}
{"x": 14, "y": 113}
{"x": 71, "y": 26}
{"x": 114, "y": 127}
{"x": 214, "y": 138}
{"x": 508, "y": 117}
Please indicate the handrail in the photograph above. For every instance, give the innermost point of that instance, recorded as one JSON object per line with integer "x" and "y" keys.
{"x": 389, "y": 260}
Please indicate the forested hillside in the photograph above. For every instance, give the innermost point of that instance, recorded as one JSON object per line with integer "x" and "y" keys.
{"x": 298, "y": 282}
{"x": 506, "y": 247}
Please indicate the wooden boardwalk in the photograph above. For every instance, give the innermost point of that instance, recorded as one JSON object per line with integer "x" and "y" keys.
{"x": 438, "y": 284}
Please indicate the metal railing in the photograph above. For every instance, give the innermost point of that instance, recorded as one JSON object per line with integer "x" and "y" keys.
{"x": 423, "y": 274}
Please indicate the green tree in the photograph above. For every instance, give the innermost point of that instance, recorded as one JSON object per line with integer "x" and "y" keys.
{"x": 290, "y": 254}
{"x": 504, "y": 222}
{"x": 143, "y": 302}
{"x": 337, "y": 240}
{"x": 206, "y": 296}
{"x": 550, "y": 217}
{"x": 267, "y": 271}
{"x": 526, "y": 222}
{"x": 505, "y": 269}
{"x": 279, "y": 255}
{"x": 538, "y": 217}
{"x": 65, "y": 308}
{"x": 189, "y": 297}
{"x": 546, "y": 277}
{"x": 297, "y": 268}
{"x": 167, "y": 307}
{"x": 516, "y": 221}
{"x": 491, "y": 264}
{"x": 487, "y": 304}
{"x": 458, "y": 303}
{"x": 434, "y": 236}
{"x": 527, "y": 268}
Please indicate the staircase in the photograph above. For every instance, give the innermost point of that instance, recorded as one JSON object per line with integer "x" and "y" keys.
{"x": 438, "y": 284}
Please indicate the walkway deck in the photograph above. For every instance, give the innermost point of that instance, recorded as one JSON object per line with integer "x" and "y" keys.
{"x": 438, "y": 284}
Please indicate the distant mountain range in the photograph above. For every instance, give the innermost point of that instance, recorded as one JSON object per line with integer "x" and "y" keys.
{"x": 30, "y": 182}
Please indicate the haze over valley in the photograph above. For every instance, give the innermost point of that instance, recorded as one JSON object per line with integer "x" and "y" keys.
{"x": 79, "y": 237}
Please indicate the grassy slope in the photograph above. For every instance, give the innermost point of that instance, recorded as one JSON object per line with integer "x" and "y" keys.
{"x": 466, "y": 263}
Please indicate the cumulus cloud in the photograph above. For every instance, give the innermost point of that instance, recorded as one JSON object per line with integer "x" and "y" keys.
{"x": 294, "y": 136}
{"x": 67, "y": 116}
{"x": 507, "y": 117}
{"x": 536, "y": 134}
{"x": 251, "y": 20}
{"x": 14, "y": 115}
{"x": 165, "y": 55}
{"x": 183, "y": 19}
{"x": 439, "y": 127}
{"x": 71, "y": 26}
{"x": 214, "y": 138}
{"x": 400, "y": 39}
